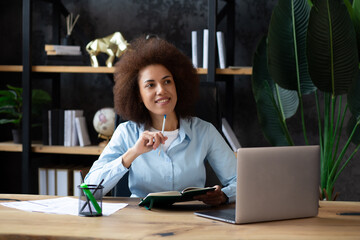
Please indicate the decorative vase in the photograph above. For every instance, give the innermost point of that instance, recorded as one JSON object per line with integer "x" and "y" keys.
{"x": 67, "y": 40}
{"x": 17, "y": 136}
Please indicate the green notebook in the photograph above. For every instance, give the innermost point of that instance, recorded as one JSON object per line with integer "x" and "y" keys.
{"x": 168, "y": 198}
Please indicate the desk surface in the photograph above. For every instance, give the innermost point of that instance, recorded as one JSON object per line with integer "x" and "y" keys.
{"x": 179, "y": 222}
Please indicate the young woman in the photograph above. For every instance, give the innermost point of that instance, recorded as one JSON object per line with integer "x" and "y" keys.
{"x": 153, "y": 79}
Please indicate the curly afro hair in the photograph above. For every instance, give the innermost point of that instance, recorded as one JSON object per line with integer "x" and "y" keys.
{"x": 145, "y": 51}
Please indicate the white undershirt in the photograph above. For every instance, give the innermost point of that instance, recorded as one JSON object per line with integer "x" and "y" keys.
{"x": 172, "y": 135}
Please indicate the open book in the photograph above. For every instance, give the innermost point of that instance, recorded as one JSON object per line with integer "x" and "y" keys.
{"x": 168, "y": 198}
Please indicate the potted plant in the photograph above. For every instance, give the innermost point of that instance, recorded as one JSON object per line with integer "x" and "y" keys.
{"x": 312, "y": 48}
{"x": 11, "y": 108}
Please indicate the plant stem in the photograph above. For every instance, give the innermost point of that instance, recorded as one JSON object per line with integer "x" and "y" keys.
{"x": 337, "y": 129}
{"x": 339, "y": 135}
{"x": 302, "y": 117}
{"x": 321, "y": 140}
{"x": 325, "y": 161}
{"x": 330, "y": 144}
{"x": 338, "y": 160}
{"x": 332, "y": 131}
{"x": 344, "y": 165}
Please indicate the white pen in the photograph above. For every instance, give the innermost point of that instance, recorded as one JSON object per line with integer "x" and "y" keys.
{"x": 162, "y": 130}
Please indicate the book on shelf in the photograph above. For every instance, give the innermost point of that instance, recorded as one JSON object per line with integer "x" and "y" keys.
{"x": 200, "y": 48}
{"x": 60, "y": 180}
{"x": 230, "y": 135}
{"x": 197, "y": 48}
{"x": 51, "y": 181}
{"x": 55, "y": 126}
{"x": 52, "y": 49}
{"x": 60, "y": 127}
{"x": 64, "y": 181}
{"x": 67, "y": 128}
{"x": 56, "y": 47}
{"x": 159, "y": 199}
{"x": 43, "y": 179}
{"x": 205, "y": 48}
{"x": 63, "y": 53}
{"x": 221, "y": 49}
{"x": 74, "y": 133}
{"x": 71, "y": 137}
{"x": 194, "y": 55}
{"x": 82, "y": 131}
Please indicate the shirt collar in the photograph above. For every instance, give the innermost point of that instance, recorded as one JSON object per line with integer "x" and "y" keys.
{"x": 141, "y": 127}
{"x": 185, "y": 129}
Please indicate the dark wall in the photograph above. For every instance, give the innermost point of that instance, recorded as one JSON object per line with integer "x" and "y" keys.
{"x": 173, "y": 20}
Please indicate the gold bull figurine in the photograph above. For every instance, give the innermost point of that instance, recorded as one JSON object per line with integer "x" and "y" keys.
{"x": 113, "y": 45}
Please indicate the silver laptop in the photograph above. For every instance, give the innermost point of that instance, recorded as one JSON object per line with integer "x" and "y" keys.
{"x": 273, "y": 183}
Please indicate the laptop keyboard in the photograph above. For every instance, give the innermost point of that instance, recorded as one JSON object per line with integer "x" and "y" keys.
{"x": 226, "y": 213}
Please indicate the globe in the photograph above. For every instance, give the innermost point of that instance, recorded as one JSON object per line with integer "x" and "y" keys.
{"x": 104, "y": 122}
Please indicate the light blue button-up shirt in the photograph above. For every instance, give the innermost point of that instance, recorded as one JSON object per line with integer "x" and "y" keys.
{"x": 181, "y": 166}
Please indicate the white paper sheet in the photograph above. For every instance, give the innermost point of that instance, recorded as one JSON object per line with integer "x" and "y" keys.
{"x": 63, "y": 205}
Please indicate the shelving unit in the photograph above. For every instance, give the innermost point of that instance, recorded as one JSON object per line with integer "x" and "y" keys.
{"x": 90, "y": 150}
{"x": 27, "y": 148}
{"x": 88, "y": 69}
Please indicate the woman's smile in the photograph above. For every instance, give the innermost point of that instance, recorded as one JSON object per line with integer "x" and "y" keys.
{"x": 163, "y": 100}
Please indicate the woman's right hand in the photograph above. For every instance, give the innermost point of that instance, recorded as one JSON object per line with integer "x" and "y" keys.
{"x": 147, "y": 141}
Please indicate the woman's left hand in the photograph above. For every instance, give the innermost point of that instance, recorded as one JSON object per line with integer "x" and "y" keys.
{"x": 214, "y": 198}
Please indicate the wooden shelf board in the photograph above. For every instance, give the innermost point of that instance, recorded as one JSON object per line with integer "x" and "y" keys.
{"x": 73, "y": 69}
{"x": 229, "y": 71}
{"x": 10, "y": 147}
{"x": 58, "y": 69}
{"x": 88, "y": 69}
{"x": 11, "y": 68}
{"x": 39, "y": 148}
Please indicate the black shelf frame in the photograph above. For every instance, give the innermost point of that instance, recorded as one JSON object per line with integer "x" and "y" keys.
{"x": 26, "y": 85}
{"x": 215, "y": 17}
{"x": 27, "y": 76}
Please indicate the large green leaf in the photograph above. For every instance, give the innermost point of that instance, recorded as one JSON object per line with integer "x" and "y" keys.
{"x": 17, "y": 90}
{"x": 353, "y": 97}
{"x": 6, "y": 101}
{"x": 286, "y": 100}
{"x": 287, "y": 46}
{"x": 353, "y": 101}
{"x": 10, "y": 111}
{"x": 270, "y": 108}
{"x": 356, "y": 20}
{"x": 8, "y": 93}
{"x": 332, "y": 50}
{"x": 5, "y": 121}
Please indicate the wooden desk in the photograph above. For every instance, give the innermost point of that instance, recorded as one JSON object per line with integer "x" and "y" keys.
{"x": 135, "y": 222}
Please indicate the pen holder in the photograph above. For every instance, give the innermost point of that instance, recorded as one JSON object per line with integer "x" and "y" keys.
{"x": 90, "y": 200}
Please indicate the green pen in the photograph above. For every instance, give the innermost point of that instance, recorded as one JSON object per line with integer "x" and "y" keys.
{"x": 91, "y": 197}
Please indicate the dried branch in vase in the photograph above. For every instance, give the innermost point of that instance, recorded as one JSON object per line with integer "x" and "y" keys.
{"x": 70, "y": 23}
